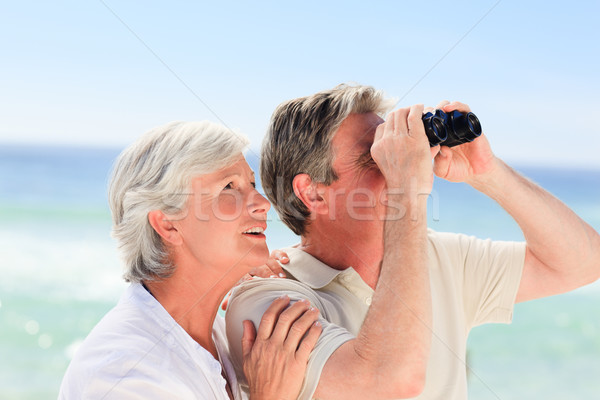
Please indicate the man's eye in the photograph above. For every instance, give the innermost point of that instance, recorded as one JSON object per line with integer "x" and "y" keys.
{"x": 253, "y": 184}
{"x": 366, "y": 161}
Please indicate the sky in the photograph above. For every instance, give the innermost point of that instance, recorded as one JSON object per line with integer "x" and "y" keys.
{"x": 102, "y": 72}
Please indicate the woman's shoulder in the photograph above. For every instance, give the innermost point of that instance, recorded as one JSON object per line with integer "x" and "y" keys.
{"x": 130, "y": 352}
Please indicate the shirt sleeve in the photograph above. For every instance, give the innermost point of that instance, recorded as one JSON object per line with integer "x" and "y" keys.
{"x": 250, "y": 300}
{"x": 489, "y": 275}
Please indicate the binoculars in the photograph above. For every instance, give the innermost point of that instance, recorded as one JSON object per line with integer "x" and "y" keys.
{"x": 451, "y": 129}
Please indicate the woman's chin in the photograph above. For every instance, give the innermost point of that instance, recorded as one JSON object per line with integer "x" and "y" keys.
{"x": 258, "y": 256}
{"x": 254, "y": 257}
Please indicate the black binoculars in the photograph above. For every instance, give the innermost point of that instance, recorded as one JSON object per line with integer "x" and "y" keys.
{"x": 451, "y": 129}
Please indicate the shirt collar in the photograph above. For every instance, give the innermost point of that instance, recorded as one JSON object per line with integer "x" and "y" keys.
{"x": 308, "y": 270}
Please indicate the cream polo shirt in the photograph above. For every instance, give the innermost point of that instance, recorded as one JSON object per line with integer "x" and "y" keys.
{"x": 473, "y": 282}
{"x": 138, "y": 351}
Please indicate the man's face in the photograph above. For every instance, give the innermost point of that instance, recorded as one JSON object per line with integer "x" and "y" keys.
{"x": 354, "y": 200}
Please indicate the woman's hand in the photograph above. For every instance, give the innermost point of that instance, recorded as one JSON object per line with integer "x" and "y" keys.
{"x": 270, "y": 269}
{"x": 467, "y": 161}
{"x": 275, "y": 358}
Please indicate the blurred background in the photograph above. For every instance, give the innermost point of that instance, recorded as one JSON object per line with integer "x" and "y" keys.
{"x": 81, "y": 80}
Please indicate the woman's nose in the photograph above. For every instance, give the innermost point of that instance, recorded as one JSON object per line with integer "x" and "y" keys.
{"x": 258, "y": 204}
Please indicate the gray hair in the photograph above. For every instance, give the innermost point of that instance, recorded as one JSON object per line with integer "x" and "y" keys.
{"x": 155, "y": 173}
{"x": 298, "y": 141}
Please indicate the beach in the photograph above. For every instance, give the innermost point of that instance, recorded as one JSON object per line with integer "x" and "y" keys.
{"x": 60, "y": 273}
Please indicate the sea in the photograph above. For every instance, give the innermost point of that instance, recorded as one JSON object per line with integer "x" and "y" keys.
{"x": 60, "y": 273}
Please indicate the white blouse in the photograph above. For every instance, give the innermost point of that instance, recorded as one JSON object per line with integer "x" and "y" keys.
{"x": 138, "y": 351}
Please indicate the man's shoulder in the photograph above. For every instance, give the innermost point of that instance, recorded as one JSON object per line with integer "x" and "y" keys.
{"x": 443, "y": 242}
{"x": 251, "y": 299}
{"x": 270, "y": 289}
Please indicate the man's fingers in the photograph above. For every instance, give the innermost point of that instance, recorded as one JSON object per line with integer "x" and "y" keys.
{"x": 456, "y": 105}
{"x": 414, "y": 121}
{"x": 442, "y": 104}
{"x": 434, "y": 151}
{"x": 270, "y": 317}
{"x": 379, "y": 132}
{"x": 389, "y": 125}
{"x": 248, "y": 337}
{"x": 400, "y": 123}
{"x": 441, "y": 165}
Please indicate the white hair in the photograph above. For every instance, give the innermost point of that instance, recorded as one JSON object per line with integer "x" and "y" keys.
{"x": 155, "y": 173}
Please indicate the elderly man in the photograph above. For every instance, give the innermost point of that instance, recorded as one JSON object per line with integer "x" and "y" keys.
{"x": 397, "y": 301}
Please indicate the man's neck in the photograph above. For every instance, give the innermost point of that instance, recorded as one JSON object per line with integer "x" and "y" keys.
{"x": 362, "y": 255}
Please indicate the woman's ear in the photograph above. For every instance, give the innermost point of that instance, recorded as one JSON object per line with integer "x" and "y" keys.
{"x": 164, "y": 227}
{"x": 307, "y": 191}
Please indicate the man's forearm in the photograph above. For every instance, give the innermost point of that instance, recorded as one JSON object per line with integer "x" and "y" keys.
{"x": 397, "y": 330}
{"x": 388, "y": 359}
{"x": 557, "y": 239}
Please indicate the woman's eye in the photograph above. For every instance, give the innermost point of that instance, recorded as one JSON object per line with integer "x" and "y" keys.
{"x": 229, "y": 186}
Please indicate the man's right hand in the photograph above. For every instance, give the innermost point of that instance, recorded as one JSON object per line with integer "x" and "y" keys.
{"x": 402, "y": 153}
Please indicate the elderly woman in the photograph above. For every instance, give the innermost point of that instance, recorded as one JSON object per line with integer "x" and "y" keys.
{"x": 189, "y": 223}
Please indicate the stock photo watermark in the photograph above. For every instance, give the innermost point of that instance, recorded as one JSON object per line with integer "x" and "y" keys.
{"x": 359, "y": 204}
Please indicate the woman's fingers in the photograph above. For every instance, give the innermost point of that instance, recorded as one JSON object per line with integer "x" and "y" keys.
{"x": 287, "y": 318}
{"x": 275, "y": 269}
{"x": 309, "y": 342}
{"x": 292, "y": 329}
{"x": 300, "y": 328}
{"x": 248, "y": 337}
{"x": 280, "y": 256}
{"x": 275, "y": 364}
{"x": 272, "y": 268}
{"x": 271, "y": 316}
{"x": 262, "y": 271}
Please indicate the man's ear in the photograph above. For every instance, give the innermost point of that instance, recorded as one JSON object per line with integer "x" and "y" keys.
{"x": 307, "y": 191}
{"x": 164, "y": 227}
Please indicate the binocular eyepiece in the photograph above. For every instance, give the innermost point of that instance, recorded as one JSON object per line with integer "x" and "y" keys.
{"x": 451, "y": 129}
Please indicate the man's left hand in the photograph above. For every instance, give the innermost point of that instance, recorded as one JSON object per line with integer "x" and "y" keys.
{"x": 467, "y": 161}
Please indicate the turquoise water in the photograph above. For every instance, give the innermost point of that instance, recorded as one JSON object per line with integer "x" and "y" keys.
{"x": 60, "y": 274}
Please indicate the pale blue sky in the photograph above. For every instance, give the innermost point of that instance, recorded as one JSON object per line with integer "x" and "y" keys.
{"x": 71, "y": 72}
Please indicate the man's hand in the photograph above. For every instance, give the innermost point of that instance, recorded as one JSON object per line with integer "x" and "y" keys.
{"x": 402, "y": 152}
{"x": 467, "y": 161}
{"x": 388, "y": 358}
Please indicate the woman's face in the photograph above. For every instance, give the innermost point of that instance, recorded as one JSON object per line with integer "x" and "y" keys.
{"x": 222, "y": 228}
